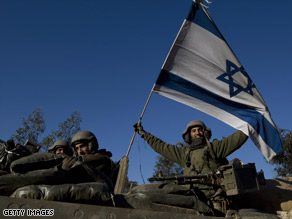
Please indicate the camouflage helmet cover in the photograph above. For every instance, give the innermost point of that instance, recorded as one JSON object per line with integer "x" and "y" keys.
{"x": 192, "y": 124}
{"x": 85, "y": 136}
{"x": 58, "y": 143}
{"x": 61, "y": 143}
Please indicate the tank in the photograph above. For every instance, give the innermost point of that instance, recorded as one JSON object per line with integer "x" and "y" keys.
{"x": 26, "y": 208}
{"x": 122, "y": 206}
{"x": 29, "y": 208}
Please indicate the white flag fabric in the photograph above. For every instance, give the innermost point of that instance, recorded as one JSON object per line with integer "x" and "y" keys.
{"x": 202, "y": 72}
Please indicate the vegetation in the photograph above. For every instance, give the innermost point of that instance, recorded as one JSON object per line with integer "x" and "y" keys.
{"x": 164, "y": 167}
{"x": 65, "y": 130}
{"x": 283, "y": 160}
{"x": 34, "y": 126}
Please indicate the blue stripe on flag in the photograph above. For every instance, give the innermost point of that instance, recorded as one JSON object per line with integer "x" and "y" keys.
{"x": 267, "y": 131}
{"x": 197, "y": 16}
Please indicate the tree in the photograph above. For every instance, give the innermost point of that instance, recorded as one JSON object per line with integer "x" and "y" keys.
{"x": 283, "y": 160}
{"x": 65, "y": 130}
{"x": 165, "y": 167}
{"x": 34, "y": 126}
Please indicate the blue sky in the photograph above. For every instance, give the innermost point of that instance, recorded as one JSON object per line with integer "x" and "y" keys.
{"x": 102, "y": 58}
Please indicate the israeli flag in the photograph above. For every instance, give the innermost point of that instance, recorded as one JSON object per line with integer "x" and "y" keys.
{"x": 202, "y": 72}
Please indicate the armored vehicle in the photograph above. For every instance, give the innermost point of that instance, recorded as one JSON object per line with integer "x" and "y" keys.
{"x": 91, "y": 203}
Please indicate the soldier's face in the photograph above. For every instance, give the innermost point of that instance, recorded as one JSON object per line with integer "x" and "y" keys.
{"x": 82, "y": 149}
{"x": 60, "y": 150}
{"x": 197, "y": 132}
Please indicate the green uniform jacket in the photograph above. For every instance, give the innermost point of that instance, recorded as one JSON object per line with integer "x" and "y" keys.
{"x": 200, "y": 161}
{"x": 101, "y": 162}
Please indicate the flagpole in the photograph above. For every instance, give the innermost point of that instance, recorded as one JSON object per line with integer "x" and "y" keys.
{"x": 130, "y": 146}
{"x": 124, "y": 161}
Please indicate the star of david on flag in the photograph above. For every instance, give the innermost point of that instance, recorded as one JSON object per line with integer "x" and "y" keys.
{"x": 201, "y": 71}
{"x": 234, "y": 89}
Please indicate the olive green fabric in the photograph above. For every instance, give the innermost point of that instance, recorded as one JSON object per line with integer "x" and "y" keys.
{"x": 169, "y": 194}
{"x": 93, "y": 192}
{"x": 36, "y": 161}
{"x": 182, "y": 201}
{"x": 79, "y": 173}
{"x": 222, "y": 148}
{"x": 201, "y": 160}
{"x": 164, "y": 188}
{"x": 101, "y": 162}
{"x": 131, "y": 201}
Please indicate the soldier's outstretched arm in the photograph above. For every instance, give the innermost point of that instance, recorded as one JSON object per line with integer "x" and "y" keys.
{"x": 228, "y": 145}
{"x": 171, "y": 152}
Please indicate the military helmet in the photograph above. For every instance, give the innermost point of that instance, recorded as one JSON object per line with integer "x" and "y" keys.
{"x": 192, "y": 124}
{"x": 61, "y": 143}
{"x": 87, "y": 137}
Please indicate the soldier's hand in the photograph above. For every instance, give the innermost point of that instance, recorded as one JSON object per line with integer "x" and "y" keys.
{"x": 68, "y": 162}
{"x": 139, "y": 129}
{"x": 207, "y": 133}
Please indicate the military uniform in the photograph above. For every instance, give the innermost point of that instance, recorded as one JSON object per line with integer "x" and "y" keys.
{"x": 202, "y": 160}
{"x": 101, "y": 161}
{"x": 97, "y": 158}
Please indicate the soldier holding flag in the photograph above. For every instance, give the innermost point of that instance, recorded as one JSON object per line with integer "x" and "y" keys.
{"x": 198, "y": 156}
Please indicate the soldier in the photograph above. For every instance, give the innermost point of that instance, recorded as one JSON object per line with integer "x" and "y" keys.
{"x": 61, "y": 147}
{"x": 199, "y": 156}
{"x": 85, "y": 146}
{"x": 9, "y": 152}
